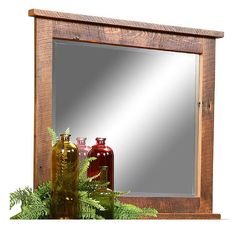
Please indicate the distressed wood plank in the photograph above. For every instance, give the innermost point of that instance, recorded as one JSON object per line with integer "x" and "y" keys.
{"x": 126, "y": 37}
{"x": 124, "y": 23}
{"x": 186, "y": 216}
{"x": 43, "y": 100}
{"x": 206, "y": 135}
{"x": 165, "y": 204}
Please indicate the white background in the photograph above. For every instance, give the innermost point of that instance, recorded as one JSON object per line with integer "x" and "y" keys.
{"x": 17, "y": 100}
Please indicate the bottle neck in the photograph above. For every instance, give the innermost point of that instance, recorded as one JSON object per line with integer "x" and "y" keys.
{"x": 101, "y": 141}
{"x": 103, "y": 174}
{"x": 65, "y": 137}
{"x": 81, "y": 141}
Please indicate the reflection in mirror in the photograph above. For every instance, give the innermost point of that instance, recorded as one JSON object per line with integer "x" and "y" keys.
{"x": 143, "y": 101}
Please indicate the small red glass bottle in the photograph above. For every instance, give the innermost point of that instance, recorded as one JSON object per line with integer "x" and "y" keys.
{"x": 105, "y": 157}
{"x": 82, "y": 148}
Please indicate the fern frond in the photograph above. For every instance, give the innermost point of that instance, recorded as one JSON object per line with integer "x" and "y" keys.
{"x": 84, "y": 198}
{"x": 85, "y": 166}
{"x": 129, "y": 211}
{"x": 32, "y": 206}
{"x": 89, "y": 179}
{"x": 118, "y": 194}
{"x": 93, "y": 203}
{"x": 67, "y": 131}
{"x": 53, "y": 136}
{"x": 87, "y": 212}
{"x": 16, "y": 217}
{"x": 20, "y": 196}
{"x": 44, "y": 190}
{"x": 88, "y": 206}
{"x": 97, "y": 217}
{"x": 149, "y": 212}
{"x": 86, "y": 185}
{"x": 35, "y": 210}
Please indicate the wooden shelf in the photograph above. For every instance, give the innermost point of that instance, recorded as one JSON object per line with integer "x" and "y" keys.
{"x": 187, "y": 216}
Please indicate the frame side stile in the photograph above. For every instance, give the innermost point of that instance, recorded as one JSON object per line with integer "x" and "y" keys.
{"x": 199, "y": 128}
{"x": 207, "y": 125}
{"x": 43, "y": 99}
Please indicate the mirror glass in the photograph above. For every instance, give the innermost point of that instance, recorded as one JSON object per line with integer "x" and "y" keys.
{"x": 143, "y": 101}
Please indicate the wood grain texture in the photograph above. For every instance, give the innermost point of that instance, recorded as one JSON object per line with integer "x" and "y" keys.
{"x": 124, "y": 23}
{"x": 165, "y": 204}
{"x": 43, "y": 100}
{"x": 186, "y": 216}
{"x": 51, "y": 25}
{"x": 126, "y": 37}
{"x": 206, "y": 134}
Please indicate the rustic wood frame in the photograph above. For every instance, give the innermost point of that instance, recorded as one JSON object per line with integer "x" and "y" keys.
{"x": 51, "y": 25}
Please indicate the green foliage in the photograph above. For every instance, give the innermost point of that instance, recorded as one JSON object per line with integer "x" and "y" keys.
{"x": 53, "y": 136}
{"x": 117, "y": 194}
{"x": 129, "y": 211}
{"x": 88, "y": 206}
{"x": 37, "y": 209}
{"x": 36, "y": 204}
{"x": 88, "y": 184}
{"x": 20, "y": 196}
{"x": 44, "y": 190}
{"x": 67, "y": 131}
{"x": 85, "y": 199}
{"x": 44, "y": 193}
{"x": 85, "y": 166}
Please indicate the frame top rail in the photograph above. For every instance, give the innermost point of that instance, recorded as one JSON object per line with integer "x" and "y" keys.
{"x": 125, "y": 23}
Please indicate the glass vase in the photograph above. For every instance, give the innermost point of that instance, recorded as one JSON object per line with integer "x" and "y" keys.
{"x": 104, "y": 195}
{"x": 64, "y": 179}
{"x": 83, "y": 149}
{"x": 105, "y": 157}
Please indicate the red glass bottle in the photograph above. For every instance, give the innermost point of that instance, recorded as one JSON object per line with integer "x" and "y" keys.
{"x": 82, "y": 148}
{"x": 105, "y": 157}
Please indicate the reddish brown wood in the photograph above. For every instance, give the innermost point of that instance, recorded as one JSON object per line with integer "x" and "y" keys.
{"x": 165, "y": 204}
{"x": 186, "y": 216}
{"x": 207, "y": 77}
{"x": 126, "y": 37}
{"x": 43, "y": 100}
{"x": 50, "y": 25}
{"x": 124, "y": 23}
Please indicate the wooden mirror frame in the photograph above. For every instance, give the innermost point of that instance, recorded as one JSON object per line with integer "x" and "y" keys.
{"x": 51, "y": 25}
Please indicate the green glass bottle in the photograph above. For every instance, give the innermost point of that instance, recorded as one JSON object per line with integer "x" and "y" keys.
{"x": 65, "y": 164}
{"x": 104, "y": 195}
